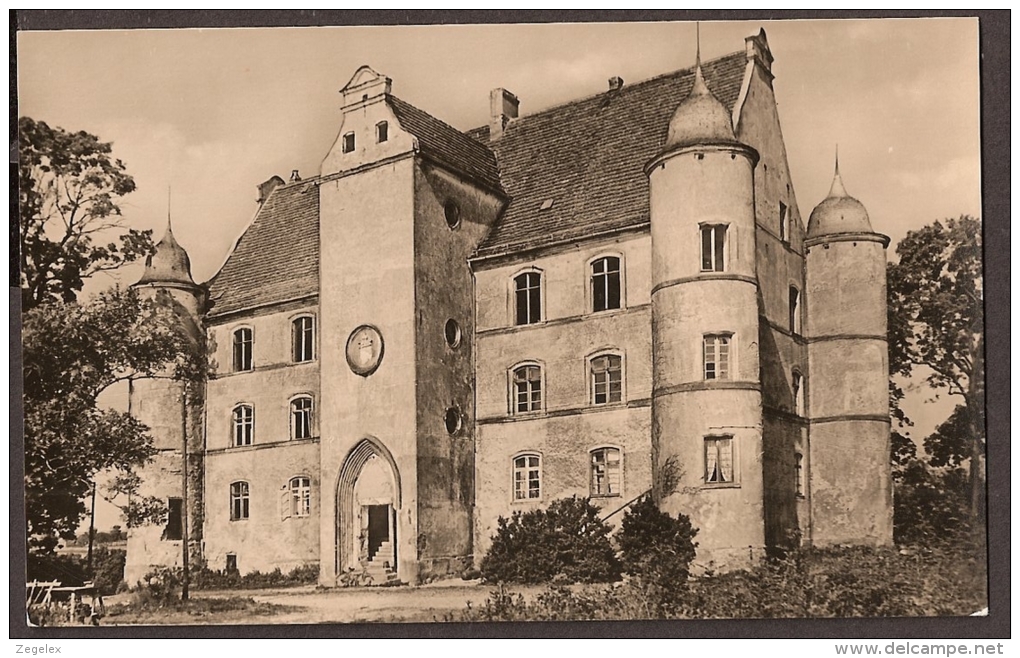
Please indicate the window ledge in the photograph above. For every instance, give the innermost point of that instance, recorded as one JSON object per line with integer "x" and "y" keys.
{"x": 720, "y": 485}
{"x": 261, "y": 446}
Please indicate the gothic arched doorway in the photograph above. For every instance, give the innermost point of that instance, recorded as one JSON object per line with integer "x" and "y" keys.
{"x": 368, "y": 497}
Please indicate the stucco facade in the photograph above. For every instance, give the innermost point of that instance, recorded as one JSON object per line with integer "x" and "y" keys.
{"x": 441, "y": 328}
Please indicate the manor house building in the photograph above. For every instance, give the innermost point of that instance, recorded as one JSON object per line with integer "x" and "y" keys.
{"x": 611, "y": 297}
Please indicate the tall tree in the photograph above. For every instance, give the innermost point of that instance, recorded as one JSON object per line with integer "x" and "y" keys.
{"x": 936, "y": 324}
{"x": 72, "y": 353}
{"x": 70, "y": 221}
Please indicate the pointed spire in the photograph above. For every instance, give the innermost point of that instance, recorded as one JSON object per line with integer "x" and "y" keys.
{"x": 169, "y": 226}
{"x": 837, "y": 189}
{"x": 699, "y": 88}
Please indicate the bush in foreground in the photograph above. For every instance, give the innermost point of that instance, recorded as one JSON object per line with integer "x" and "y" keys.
{"x": 658, "y": 549}
{"x": 566, "y": 542}
{"x": 947, "y": 578}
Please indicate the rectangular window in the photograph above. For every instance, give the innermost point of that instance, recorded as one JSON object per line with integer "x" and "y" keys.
{"x": 174, "y": 519}
{"x": 798, "y": 465}
{"x": 528, "y": 298}
{"x": 719, "y": 459}
{"x": 606, "y": 379}
{"x": 303, "y": 339}
{"x": 798, "y": 393}
{"x": 713, "y": 245}
{"x": 527, "y": 477}
{"x": 605, "y": 284}
{"x": 231, "y": 563}
{"x": 244, "y": 425}
{"x": 605, "y": 472}
{"x": 348, "y": 144}
{"x": 243, "y": 349}
{"x": 239, "y": 501}
{"x": 794, "y": 310}
{"x": 382, "y": 132}
{"x": 717, "y": 357}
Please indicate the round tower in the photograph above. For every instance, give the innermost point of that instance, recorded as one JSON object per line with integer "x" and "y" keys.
{"x": 172, "y": 410}
{"x": 706, "y": 399}
{"x": 848, "y": 373}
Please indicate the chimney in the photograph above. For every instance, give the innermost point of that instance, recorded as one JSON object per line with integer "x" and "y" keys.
{"x": 294, "y": 176}
{"x": 615, "y": 83}
{"x": 502, "y": 108}
{"x": 265, "y": 189}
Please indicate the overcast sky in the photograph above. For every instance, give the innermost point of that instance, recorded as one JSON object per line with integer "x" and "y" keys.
{"x": 212, "y": 113}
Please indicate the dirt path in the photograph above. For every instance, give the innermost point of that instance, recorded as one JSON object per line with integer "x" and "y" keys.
{"x": 437, "y": 602}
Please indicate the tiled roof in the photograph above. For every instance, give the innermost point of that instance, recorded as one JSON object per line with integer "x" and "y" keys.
{"x": 588, "y": 157}
{"x": 277, "y": 258}
{"x": 446, "y": 144}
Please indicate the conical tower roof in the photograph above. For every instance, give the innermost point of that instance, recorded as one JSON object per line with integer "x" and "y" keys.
{"x": 168, "y": 264}
{"x": 701, "y": 118}
{"x": 839, "y": 212}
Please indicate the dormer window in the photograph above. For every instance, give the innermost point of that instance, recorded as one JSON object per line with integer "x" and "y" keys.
{"x": 382, "y": 132}
{"x": 348, "y": 143}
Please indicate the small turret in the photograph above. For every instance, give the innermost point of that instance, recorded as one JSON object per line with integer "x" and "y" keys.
{"x": 700, "y": 119}
{"x": 838, "y": 213}
{"x": 168, "y": 264}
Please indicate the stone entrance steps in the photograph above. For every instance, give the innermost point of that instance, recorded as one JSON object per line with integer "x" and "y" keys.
{"x": 382, "y": 566}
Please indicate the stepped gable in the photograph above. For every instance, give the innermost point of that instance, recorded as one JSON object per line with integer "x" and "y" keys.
{"x": 277, "y": 258}
{"x": 588, "y": 157}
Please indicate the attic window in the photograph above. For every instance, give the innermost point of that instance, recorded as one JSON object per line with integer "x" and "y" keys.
{"x": 546, "y": 205}
{"x": 452, "y": 212}
{"x": 382, "y": 132}
{"x": 348, "y": 144}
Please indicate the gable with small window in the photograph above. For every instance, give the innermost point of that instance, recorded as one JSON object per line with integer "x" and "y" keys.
{"x": 243, "y": 425}
{"x": 527, "y": 480}
{"x": 526, "y": 388}
{"x": 717, "y": 352}
{"x": 606, "y": 472}
{"x": 606, "y": 374}
{"x": 527, "y": 294}
{"x": 713, "y": 247}
{"x": 606, "y": 289}
{"x": 239, "y": 501}
{"x": 303, "y": 339}
{"x": 719, "y": 460}
{"x": 243, "y": 342}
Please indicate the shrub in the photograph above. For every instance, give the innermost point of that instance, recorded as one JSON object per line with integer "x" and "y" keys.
{"x": 567, "y": 542}
{"x": 68, "y": 569}
{"x": 108, "y": 566}
{"x": 161, "y": 587}
{"x": 929, "y": 503}
{"x": 204, "y": 578}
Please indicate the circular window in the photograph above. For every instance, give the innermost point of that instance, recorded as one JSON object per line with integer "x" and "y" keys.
{"x": 452, "y": 332}
{"x": 453, "y": 420}
{"x": 452, "y": 211}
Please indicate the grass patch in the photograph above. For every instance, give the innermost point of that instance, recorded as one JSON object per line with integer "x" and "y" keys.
{"x": 212, "y": 610}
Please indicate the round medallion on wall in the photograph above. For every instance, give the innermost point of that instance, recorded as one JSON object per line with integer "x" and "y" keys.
{"x": 364, "y": 350}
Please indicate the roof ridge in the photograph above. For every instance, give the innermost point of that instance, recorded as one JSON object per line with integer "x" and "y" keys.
{"x": 639, "y": 83}
{"x": 429, "y": 114}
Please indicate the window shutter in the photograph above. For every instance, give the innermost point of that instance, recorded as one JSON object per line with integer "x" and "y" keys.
{"x": 285, "y": 504}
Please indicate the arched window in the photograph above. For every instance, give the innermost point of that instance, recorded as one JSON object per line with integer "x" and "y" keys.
{"x": 243, "y": 339}
{"x": 798, "y": 393}
{"x": 382, "y": 132}
{"x": 243, "y": 417}
{"x": 303, "y": 338}
{"x": 528, "y": 298}
{"x": 301, "y": 417}
{"x": 717, "y": 356}
{"x": 606, "y": 372}
{"x": 713, "y": 247}
{"x": 606, "y": 472}
{"x": 605, "y": 283}
{"x": 238, "y": 501}
{"x": 527, "y": 477}
{"x": 526, "y": 389}
{"x": 300, "y": 496}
